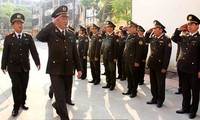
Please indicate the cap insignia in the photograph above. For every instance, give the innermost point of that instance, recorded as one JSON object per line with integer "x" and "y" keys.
{"x": 64, "y": 9}
{"x": 19, "y": 16}
{"x": 190, "y": 18}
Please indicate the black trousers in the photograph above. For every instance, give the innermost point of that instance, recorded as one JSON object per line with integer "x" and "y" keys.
{"x": 62, "y": 86}
{"x": 110, "y": 69}
{"x": 179, "y": 80}
{"x": 84, "y": 66}
{"x": 142, "y": 72}
{"x": 19, "y": 85}
{"x": 157, "y": 81}
{"x": 133, "y": 77}
{"x": 120, "y": 66}
{"x": 190, "y": 91}
{"x": 124, "y": 69}
{"x": 95, "y": 70}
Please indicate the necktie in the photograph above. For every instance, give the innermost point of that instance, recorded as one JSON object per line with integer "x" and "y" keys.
{"x": 19, "y": 36}
{"x": 63, "y": 33}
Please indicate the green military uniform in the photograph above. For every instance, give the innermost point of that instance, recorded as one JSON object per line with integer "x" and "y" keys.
{"x": 95, "y": 52}
{"x": 110, "y": 53}
{"x": 189, "y": 66}
{"x": 63, "y": 57}
{"x": 133, "y": 54}
{"x": 158, "y": 60}
{"x": 83, "y": 44}
{"x": 15, "y": 59}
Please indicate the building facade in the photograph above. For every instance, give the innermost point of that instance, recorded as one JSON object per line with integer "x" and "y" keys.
{"x": 170, "y": 13}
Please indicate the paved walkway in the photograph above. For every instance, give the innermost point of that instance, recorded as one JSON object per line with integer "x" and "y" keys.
{"x": 92, "y": 102}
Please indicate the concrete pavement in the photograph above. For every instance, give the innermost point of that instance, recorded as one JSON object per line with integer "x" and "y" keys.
{"x": 92, "y": 101}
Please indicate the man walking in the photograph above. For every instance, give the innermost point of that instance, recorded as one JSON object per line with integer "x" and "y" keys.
{"x": 63, "y": 57}
{"x": 15, "y": 60}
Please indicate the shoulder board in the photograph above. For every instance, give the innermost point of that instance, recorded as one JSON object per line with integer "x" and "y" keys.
{"x": 27, "y": 34}
{"x": 167, "y": 36}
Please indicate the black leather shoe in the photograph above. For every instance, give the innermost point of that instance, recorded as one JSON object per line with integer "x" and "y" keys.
{"x": 192, "y": 115}
{"x": 14, "y": 112}
{"x": 159, "y": 105}
{"x": 141, "y": 83}
{"x": 55, "y": 107}
{"x": 92, "y": 81}
{"x": 107, "y": 86}
{"x": 119, "y": 77}
{"x": 122, "y": 79}
{"x": 70, "y": 103}
{"x": 96, "y": 83}
{"x": 177, "y": 93}
{"x": 151, "y": 102}
{"x": 111, "y": 88}
{"x": 126, "y": 93}
{"x": 24, "y": 107}
{"x": 181, "y": 111}
{"x": 133, "y": 95}
{"x": 103, "y": 73}
{"x": 50, "y": 94}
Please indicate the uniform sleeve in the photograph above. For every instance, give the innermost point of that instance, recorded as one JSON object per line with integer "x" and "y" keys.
{"x": 145, "y": 51}
{"x": 98, "y": 47}
{"x": 147, "y": 37}
{"x": 34, "y": 52}
{"x": 167, "y": 53}
{"x": 139, "y": 50}
{"x": 43, "y": 34}
{"x": 5, "y": 54}
{"x": 86, "y": 46}
{"x": 116, "y": 47}
{"x": 199, "y": 57}
{"x": 76, "y": 57}
{"x": 176, "y": 36}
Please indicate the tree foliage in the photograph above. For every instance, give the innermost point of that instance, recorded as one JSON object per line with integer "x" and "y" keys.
{"x": 8, "y": 9}
{"x": 110, "y": 9}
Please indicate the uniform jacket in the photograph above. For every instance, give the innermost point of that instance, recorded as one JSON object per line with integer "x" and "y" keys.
{"x": 83, "y": 44}
{"x": 133, "y": 51}
{"x": 110, "y": 50}
{"x": 63, "y": 54}
{"x": 16, "y": 53}
{"x": 160, "y": 51}
{"x": 95, "y": 47}
{"x": 189, "y": 55}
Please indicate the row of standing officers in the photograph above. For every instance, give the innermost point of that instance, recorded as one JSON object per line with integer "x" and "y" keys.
{"x": 131, "y": 62}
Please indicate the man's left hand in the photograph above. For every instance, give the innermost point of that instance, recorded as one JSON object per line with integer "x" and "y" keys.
{"x": 79, "y": 74}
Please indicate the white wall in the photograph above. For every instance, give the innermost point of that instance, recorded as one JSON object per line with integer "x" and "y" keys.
{"x": 171, "y": 13}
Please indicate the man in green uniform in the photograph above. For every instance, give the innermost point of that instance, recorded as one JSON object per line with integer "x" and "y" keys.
{"x": 133, "y": 58}
{"x": 110, "y": 54}
{"x": 94, "y": 54}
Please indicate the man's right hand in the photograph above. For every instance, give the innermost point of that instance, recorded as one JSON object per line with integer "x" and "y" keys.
{"x": 150, "y": 30}
{"x": 56, "y": 21}
{"x": 4, "y": 71}
{"x": 183, "y": 27}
